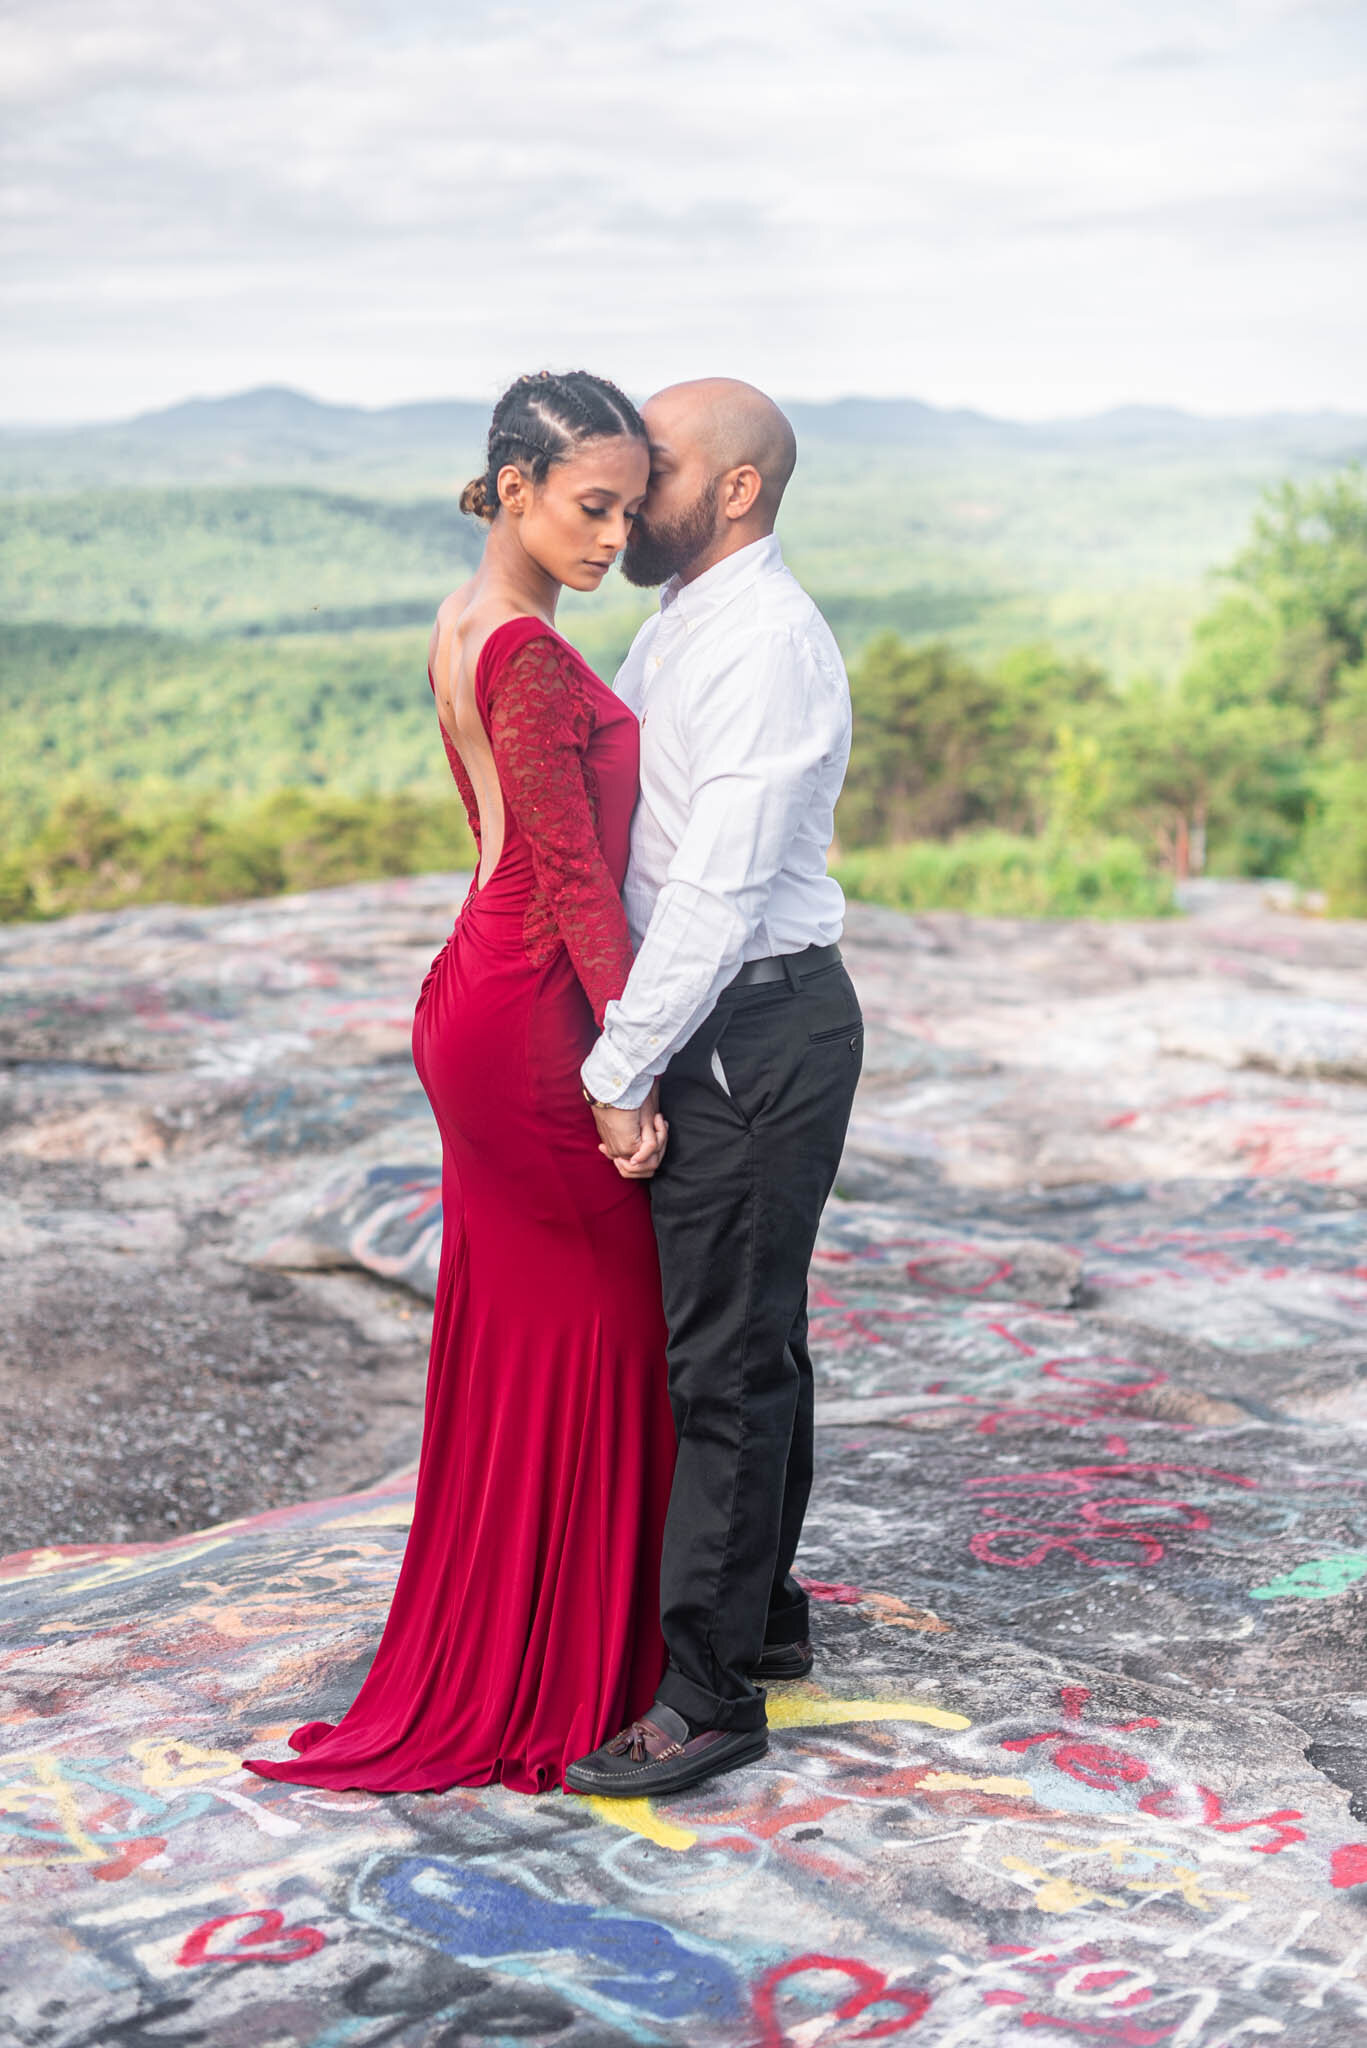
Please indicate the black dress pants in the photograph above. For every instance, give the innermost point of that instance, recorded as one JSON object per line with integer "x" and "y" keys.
{"x": 753, "y": 1151}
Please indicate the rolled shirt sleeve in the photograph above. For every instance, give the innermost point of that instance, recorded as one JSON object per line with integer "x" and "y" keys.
{"x": 760, "y": 732}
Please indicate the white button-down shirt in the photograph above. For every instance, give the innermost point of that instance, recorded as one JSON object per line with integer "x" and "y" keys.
{"x": 745, "y": 733}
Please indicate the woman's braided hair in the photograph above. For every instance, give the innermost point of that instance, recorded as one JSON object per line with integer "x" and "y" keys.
{"x": 540, "y": 420}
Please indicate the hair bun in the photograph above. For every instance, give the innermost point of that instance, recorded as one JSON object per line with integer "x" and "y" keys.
{"x": 474, "y": 499}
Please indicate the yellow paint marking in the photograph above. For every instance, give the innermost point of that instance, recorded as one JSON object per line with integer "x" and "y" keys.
{"x": 397, "y": 1515}
{"x": 175, "y": 1766}
{"x": 959, "y": 1781}
{"x": 48, "y": 1772}
{"x": 1177, "y": 1877}
{"x": 642, "y": 1819}
{"x": 41, "y": 1562}
{"x": 803, "y": 1710}
{"x": 1062, "y": 1895}
{"x": 1118, "y": 1847}
{"x": 51, "y": 1785}
{"x": 1195, "y": 1891}
{"x": 116, "y": 1570}
{"x": 1059, "y": 1894}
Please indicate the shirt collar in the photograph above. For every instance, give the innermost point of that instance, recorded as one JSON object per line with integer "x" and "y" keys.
{"x": 695, "y": 601}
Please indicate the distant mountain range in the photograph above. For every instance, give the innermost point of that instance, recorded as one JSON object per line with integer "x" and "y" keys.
{"x": 273, "y": 433}
{"x": 270, "y": 512}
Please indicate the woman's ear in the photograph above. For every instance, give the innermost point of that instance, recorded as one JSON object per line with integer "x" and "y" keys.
{"x": 513, "y": 490}
{"x": 740, "y": 491}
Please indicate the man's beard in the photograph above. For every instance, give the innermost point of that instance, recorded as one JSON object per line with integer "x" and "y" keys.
{"x": 655, "y": 553}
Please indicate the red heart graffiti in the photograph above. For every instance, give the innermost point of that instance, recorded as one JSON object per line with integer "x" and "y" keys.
{"x": 252, "y": 1945}
{"x": 873, "y": 1990}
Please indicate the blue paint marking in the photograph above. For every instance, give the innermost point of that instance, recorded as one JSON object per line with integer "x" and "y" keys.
{"x": 478, "y": 1918}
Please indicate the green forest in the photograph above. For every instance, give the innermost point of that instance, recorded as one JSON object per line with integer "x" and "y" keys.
{"x": 1065, "y": 698}
{"x": 1252, "y": 761}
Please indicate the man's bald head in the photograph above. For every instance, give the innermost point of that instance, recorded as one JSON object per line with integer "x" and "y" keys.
{"x": 721, "y": 454}
{"x": 736, "y": 424}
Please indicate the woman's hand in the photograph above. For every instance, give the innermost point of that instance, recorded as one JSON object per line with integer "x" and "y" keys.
{"x": 633, "y": 1139}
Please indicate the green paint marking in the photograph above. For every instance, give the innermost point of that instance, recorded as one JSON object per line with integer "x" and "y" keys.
{"x": 1320, "y": 1578}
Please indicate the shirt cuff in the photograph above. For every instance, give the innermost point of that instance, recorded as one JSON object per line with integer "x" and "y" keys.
{"x": 609, "y": 1078}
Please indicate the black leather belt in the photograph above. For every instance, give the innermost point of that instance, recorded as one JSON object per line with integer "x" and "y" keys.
{"x": 789, "y": 967}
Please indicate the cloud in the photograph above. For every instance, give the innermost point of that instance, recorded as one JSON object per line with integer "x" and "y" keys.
{"x": 975, "y": 205}
{"x": 1168, "y": 57}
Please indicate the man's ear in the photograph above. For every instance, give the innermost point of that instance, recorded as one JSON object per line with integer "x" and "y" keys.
{"x": 740, "y": 491}
{"x": 514, "y": 492}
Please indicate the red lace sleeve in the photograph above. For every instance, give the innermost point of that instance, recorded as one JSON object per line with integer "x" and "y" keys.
{"x": 539, "y": 725}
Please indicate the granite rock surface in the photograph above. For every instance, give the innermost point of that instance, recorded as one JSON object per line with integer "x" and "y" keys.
{"x": 1084, "y": 1756}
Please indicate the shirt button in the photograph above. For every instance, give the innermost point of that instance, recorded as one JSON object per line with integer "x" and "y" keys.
{"x": 654, "y": 1041}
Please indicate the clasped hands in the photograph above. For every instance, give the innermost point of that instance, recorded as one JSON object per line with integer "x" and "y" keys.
{"x": 633, "y": 1139}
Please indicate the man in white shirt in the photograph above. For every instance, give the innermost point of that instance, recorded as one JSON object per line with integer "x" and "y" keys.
{"x": 739, "y": 1012}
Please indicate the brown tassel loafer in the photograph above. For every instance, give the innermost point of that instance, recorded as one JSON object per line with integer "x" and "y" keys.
{"x": 657, "y": 1754}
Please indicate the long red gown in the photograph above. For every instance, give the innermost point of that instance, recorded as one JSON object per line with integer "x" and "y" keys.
{"x": 525, "y": 1628}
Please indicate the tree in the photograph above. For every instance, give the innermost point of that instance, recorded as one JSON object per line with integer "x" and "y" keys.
{"x": 920, "y": 763}
{"x": 941, "y": 745}
{"x": 1232, "y": 756}
{"x": 1307, "y": 564}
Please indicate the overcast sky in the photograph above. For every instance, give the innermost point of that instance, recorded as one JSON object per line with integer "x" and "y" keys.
{"x": 1032, "y": 209}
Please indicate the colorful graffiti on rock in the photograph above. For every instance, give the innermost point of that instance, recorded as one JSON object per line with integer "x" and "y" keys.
{"x": 1082, "y": 1759}
{"x": 979, "y": 1852}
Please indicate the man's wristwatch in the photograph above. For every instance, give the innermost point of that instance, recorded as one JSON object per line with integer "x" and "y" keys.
{"x": 592, "y": 1100}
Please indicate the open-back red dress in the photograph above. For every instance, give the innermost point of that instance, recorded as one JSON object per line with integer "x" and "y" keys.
{"x": 525, "y": 1627}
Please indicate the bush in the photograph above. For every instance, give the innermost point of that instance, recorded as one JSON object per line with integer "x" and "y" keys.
{"x": 196, "y": 856}
{"x": 94, "y": 852}
{"x": 1335, "y": 856}
{"x": 16, "y": 892}
{"x": 998, "y": 874}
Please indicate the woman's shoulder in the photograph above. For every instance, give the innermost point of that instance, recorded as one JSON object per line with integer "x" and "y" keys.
{"x": 526, "y": 647}
{"x": 495, "y": 646}
{"x": 473, "y": 635}
{"x": 445, "y": 646}
{"x": 503, "y": 635}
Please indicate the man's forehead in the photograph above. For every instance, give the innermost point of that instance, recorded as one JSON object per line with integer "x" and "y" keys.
{"x": 670, "y": 430}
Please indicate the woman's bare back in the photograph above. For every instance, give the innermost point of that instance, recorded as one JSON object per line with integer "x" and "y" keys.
{"x": 464, "y": 622}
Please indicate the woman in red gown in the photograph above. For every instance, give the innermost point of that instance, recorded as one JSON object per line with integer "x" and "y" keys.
{"x": 525, "y": 1628}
